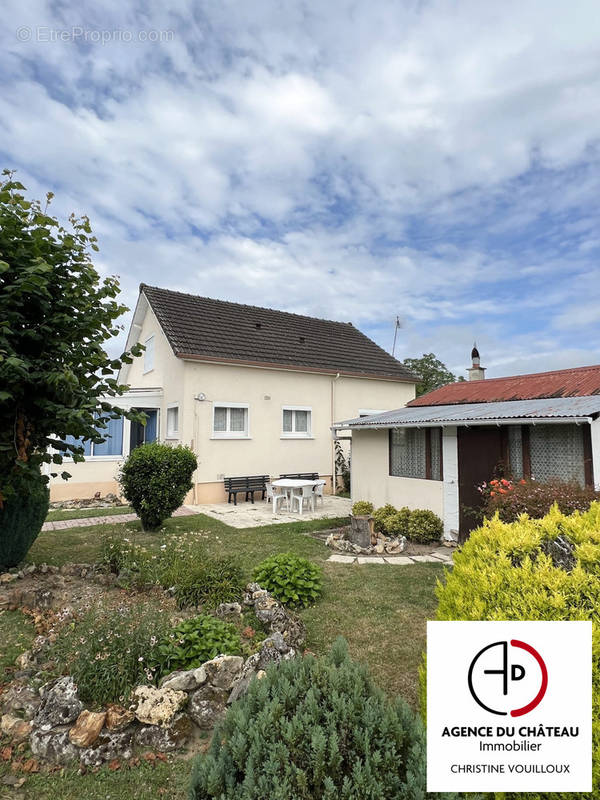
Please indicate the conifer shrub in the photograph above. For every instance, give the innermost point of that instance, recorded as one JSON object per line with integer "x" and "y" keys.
{"x": 21, "y": 518}
{"x": 533, "y": 569}
{"x": 293, "y": 580}
{"x": 424, "y": 527}
{"x": 314, "y": 728}
{"x": 380, "y": 516}
{"x": 155, "y": 479}
{"x": 397, "y": 524}
{"x": 362, "y": 508}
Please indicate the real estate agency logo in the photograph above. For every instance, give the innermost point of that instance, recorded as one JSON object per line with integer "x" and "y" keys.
{"x": 508, "y": 678}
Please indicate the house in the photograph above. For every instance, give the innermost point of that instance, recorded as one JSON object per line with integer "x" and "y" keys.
{"x": 436, "y": 451}
{"x": 251, "y": 390}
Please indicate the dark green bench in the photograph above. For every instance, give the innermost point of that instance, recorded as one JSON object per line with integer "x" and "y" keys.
{"x": 246, "y": 484}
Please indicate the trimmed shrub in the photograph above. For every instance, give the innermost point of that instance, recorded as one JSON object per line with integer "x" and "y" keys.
{"x": 195, "y": 641}
{"x": 109, "y": 652}
{"x": 314, "y": 729}
{"x": 294, "y": 581}
{"x": 542, "y": 569}
{"x": 397, "y": 524}
{"x": 362, "y": 508}
{"x": 21, "y": 520}
{"x": 380, "y": 516}
{"x": 424, "y": 527}
{"x": 155, "y": 479}
{"x": 535, "y": 498}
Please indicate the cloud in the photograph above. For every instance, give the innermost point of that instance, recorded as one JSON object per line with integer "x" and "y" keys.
{"x": 433, "y": 160}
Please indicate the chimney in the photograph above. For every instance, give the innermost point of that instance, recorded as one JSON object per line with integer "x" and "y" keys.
{"x": 476, "y": 371}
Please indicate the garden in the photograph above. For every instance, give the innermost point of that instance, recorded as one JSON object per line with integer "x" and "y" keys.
{"x": 126, "y": 602}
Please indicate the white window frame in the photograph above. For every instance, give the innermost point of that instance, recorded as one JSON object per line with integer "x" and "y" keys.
{"x": 228, "y": 434}
{"x": 300, "y": 434}
{"x": 149, "y": 367}
{"x": 172, "y": 434}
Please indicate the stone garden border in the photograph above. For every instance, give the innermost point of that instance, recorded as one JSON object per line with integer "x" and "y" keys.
{"x": 60, "y": 730}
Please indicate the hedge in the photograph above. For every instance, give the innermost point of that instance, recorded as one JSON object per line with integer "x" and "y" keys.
{"x": 533, "y": 569}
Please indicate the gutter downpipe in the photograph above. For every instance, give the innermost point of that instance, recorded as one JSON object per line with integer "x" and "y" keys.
{"x": 333, "y": 475}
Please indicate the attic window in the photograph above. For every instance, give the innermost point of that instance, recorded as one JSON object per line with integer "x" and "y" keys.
{"x": 259, "y": 324}
{"x": 302, "y": 339}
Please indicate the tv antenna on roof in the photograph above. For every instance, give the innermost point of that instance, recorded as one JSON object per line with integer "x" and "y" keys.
{"x": 397, "y": 326}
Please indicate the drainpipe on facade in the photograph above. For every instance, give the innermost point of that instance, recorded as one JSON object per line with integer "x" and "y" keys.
{"x": 333, "y": 475}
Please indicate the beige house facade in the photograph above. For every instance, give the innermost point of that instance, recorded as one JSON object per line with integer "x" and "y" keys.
{"x": 251, "y": 391}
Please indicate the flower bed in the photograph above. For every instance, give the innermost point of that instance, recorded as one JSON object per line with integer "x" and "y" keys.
{"x": 114, "y": 700}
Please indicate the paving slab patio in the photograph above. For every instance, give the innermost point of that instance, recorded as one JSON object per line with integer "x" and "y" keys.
{"x": 107, "y": 519}
{"x": 259, "y": 513}
{"x": 437, "y": 557}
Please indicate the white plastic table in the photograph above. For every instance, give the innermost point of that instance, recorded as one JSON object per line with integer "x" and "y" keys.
{"x": 289, "y": 484}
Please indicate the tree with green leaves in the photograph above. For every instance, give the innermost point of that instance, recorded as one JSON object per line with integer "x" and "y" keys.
{"x": 432, "y": 372}
{"x": 56, "y": 379}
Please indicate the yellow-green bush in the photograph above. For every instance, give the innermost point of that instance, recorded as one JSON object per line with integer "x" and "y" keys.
{"x": 506, "y": 571}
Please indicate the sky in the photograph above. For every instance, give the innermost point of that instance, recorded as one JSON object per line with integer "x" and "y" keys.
{"x": 433, "y": 161}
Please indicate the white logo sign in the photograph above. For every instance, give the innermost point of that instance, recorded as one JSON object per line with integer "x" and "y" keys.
{"x": 509, "y": 706}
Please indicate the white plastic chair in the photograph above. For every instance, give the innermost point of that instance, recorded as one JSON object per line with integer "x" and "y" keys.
{"x": 276, "y": 497}
{"x": 270, "y": 492}
{"x": 318, "y": 492}
{"x": 307, "y": 495}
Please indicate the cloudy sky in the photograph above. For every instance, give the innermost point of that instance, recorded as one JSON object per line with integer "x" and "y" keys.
{"x": 439, "y": 161}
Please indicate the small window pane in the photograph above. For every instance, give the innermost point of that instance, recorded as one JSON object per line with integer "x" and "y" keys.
{"x": 238, "y": 420}
{"x": 149, "y": 354}
{"x": 557, "y": 452}
{"x": 287, "y": 421}
{"x": 301, "y": 421}
{"x": 220, "y": 419}
{"x": 515, "y": 451}
{"x": 407, "y": 453}
{"x": 113, "y": 446}
{"x": 87, "y": 445}
{"x": 436, "y": 454}
{"x": 172, "y": 421}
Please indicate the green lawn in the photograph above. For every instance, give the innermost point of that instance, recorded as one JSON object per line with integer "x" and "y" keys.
{"x": 381, "y": 610}
{"x": 59, "y": 514}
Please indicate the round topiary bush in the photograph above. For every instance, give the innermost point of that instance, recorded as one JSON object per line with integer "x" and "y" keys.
{"x": 397, "y": 524}
{"x": 21, "y": 520}
{"x": 424, "y": 527}
{"x": 294, "y": 581}
{"x": 155, "y": 479}
{"x": 314, "y": 728}
{"x": 362, "y": 508}
{"x": 380, "y": 516}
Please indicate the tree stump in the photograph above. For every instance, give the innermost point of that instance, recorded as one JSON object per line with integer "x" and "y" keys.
{"x": 360, "y": 530}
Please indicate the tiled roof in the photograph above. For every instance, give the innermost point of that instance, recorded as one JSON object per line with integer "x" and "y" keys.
{"x": 216, "y": 330}
{"x": 576, "y": 382}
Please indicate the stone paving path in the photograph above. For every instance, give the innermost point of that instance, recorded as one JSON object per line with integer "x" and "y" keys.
{"x": 85, "y": 522}
{"x": 443, "y": 555}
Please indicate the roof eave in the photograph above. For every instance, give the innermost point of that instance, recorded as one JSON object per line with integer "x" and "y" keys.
{"x": 291, "y": 367}
{"x": 464, "y": 423}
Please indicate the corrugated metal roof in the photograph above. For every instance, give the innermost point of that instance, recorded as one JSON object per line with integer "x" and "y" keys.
{"x": 567, "y": 408}
{"x": 576, "y": 382}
